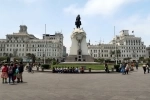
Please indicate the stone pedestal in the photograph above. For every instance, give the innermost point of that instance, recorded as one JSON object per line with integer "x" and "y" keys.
{"x": 79, "y": 49}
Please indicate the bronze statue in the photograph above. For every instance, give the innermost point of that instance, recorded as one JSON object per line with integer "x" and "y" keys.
{"x": 78, "y": 22}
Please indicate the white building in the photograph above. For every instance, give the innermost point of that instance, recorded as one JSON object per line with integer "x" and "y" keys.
{"x": 128, "y": 45}
{"x": 64, "y": 51}
{"x": 148, "y": 52}
{"x": 21, "y": 43}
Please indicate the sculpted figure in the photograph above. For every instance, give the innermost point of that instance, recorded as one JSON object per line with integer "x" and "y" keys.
{"x": 78, "y": 22}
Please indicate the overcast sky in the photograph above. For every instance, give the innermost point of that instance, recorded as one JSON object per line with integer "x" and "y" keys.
{"x": 98, "y": 17}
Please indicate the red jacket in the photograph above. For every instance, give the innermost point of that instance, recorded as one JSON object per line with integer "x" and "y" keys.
{"x": 5, "y": 69}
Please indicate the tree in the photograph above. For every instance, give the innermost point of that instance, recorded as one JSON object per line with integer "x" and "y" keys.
{"x": 101, "y": 60}
{"x": 127, "y": 59}
{"x": 31, "y": 56}
{"x": 107, "y": 60}
{"x": 141, "y": 58}
{"x": 118, "y": 53}
{"x": 147, "y": 60}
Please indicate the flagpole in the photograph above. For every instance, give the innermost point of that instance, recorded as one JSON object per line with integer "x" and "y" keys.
{"x": 45, "y": 45}
{"x": 115, "y": 46}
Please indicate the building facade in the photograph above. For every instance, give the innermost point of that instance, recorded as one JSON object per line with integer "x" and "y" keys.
{"x": 64, "y": 51}
{"x": 21, "y": 43}
{"x": 127, "y": 46}
{"x": 148, "y": 52}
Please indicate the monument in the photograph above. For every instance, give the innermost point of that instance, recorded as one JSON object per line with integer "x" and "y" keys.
{"x": 79, "y": 49}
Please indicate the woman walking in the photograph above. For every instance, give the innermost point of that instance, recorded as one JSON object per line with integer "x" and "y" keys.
{"x": 127, "y": 69}
{"x": 4, "y": 74}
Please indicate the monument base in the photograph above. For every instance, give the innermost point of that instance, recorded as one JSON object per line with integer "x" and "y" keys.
{"x": 73, "y": 58}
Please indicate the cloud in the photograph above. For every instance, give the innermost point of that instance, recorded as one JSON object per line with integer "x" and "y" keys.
{"x": 98, "y": 7}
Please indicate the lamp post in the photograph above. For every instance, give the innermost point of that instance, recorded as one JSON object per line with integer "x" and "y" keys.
{"x": 45, "y": 45}
{"x": 115, "y": 47}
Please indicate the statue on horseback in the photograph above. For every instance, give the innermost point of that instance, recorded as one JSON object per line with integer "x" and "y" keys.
{"x": 78, "y": 22}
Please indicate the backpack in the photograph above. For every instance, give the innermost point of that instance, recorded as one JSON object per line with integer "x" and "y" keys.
{"x": 10, "y": 70}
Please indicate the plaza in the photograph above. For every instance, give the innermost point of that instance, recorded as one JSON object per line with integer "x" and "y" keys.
{"x": 86, "y": 86}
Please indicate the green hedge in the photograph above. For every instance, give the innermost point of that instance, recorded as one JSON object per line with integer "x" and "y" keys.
{"x": 46, "y": 66}
{"x": 117, "y": 68}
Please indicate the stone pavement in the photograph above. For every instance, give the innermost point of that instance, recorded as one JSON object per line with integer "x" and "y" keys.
{"x": 99, "y": 86}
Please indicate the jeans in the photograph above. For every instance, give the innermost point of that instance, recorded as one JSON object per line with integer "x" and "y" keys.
{"x": 11, "y": 77}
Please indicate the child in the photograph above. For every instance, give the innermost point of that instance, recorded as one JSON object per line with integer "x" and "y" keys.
{"x": 17, "y": 75}
{"x": 4, "y": 75}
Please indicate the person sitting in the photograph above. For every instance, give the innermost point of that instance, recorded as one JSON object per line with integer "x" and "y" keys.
{"x": 82, "y": 70}
{"x": 68, "y": 70}
{"x": 65, "y": 70}
{"x": 76, "y": 70}
{"x": 61, "y": 69}
{"x": 73, "y": 70}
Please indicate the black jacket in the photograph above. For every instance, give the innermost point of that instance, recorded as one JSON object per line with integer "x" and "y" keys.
{"x": 21, "y": 69}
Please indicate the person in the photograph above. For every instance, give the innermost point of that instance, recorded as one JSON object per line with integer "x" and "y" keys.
{"x": 4, "y": 74}
{"x": 14, "y": 71}
{"x": 17, "y": 74}
{"x": 127, "y": 69}
{"x": 106, "y": 68}
{"x": 147, "y": 66}
{"x": 144, "y": 68}
{"x": 30, "y": 68}
{"x": 120, "y": 67}
{"x": 21, "y": 69}
{"x": 123, "y": 68}
{"x": 11, "y": 73}
{"x": 76, "y": 70}
{"x": 136, "y": 65}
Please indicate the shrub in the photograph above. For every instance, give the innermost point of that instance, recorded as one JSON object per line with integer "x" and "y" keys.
{"x": 46, "y": 66}
{"x": 117, "y": 67}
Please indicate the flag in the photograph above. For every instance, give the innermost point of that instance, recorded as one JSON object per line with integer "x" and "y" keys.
{"x": 132, "y": 31}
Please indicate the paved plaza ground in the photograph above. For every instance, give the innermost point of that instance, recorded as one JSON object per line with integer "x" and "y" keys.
{"x": 98, "y": 86}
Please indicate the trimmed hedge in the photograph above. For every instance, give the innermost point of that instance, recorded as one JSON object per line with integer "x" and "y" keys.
{"x": 117, "y": 68}
{"x": 46, "y": 66}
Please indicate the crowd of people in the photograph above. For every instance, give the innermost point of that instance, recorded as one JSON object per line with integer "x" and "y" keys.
{"x": 126, "y": 67}
{"x": 12, "y": 73}
{"x": 68, "y": 70}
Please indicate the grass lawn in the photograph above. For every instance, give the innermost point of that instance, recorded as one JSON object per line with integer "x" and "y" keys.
{"x": 92, "y": 66}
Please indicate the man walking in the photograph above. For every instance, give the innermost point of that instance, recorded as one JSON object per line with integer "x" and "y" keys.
{"x": 137, "y": 65}
{"x": 21, "y": 69}
{"x": 11, "y": 73}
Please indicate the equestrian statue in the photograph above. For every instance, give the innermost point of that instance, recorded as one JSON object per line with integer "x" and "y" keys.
{"x": 78, "y": 22}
